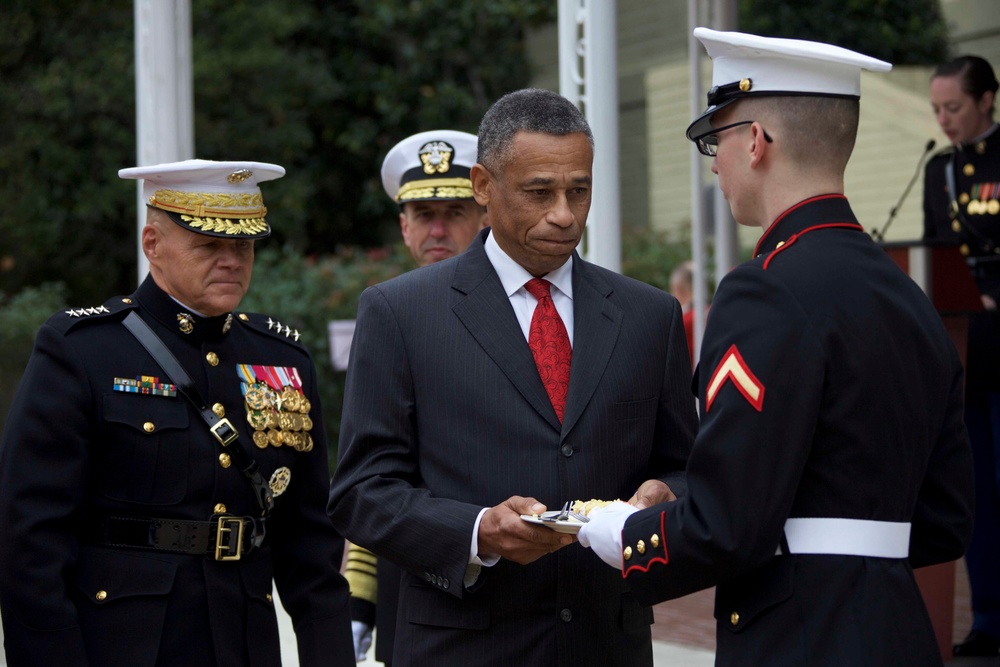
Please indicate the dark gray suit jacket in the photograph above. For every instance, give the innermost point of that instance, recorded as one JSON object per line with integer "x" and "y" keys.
{"x": 445, "y": 414}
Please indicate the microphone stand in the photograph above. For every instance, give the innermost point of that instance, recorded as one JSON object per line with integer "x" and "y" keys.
{"x": 879, "y": 236}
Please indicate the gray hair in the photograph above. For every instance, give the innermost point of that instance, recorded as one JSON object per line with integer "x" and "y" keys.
{"x": 527, "y": 110}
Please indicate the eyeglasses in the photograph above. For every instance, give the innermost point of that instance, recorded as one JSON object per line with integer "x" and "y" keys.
{"x": 708, "y": 143}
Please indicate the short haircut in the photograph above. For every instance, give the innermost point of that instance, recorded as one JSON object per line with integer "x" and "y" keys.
{"x": 974, "y": 74}
{"x": 527, "y": 110}
{"x": 814, "y": 130}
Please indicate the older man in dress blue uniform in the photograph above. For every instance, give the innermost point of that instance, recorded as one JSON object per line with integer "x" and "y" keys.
{"x": 832, "y": 457}
{"x": 165, "y": 460}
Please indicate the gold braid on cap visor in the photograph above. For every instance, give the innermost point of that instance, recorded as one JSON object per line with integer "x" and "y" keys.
{"x": 444, "y": 188}
{"x": 240, "y": 213}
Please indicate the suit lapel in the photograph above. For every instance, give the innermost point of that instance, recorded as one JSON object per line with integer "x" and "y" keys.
{"x": 486, "y": 312}
{"x": 596, "y": 324}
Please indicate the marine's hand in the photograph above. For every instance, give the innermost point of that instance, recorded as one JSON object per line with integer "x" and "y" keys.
{"x": 362, "y": 639}
{"x": 651, "y": 492}
{"x": 503, "y": 533}
{"x": 603, "y": 533}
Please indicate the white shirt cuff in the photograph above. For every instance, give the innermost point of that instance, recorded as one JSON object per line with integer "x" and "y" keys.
{"x": 477, "y": 562}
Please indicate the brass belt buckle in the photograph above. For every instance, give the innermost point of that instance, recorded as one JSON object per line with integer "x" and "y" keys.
{"x": 224, "y": 432}
{"x": 224, "y": 547}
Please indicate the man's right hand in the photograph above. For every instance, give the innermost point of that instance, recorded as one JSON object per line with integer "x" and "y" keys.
{"x": 503, "y": 533}
{"x": 362, "y": 639}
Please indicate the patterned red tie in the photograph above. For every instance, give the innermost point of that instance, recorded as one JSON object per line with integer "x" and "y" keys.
{"x": 549, "y": 344}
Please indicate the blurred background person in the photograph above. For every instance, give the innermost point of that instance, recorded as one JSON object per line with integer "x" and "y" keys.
{"x": 962, "y": 206}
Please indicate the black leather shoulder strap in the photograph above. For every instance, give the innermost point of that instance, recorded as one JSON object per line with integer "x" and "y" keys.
{"x": 222, "y": 429}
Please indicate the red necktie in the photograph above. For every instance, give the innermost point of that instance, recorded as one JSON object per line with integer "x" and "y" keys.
{"x": 549, "y": 344}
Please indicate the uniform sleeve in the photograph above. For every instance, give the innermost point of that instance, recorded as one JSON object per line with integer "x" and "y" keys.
{"x": 361, "y": 575}
{"x": 676, "y": 422}
{"x": 942, "y": 521}
{"x": 760, "y": 365}
{"x": 43, "y": 472}
{"x": 376, "y": 499}
{"x": 307, "y": 556}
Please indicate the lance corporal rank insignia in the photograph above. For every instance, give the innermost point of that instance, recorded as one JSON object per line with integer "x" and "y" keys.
{"x": 145, "y": 384}
{"x": 734, "y": 368}
{"x": 277, "y": 408}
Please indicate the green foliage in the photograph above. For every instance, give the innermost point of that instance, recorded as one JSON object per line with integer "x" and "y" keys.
{"x": 22, "y": 315}
{"x": 903, "y": 32}
{"x": 322, "y": 87}
{"x": 651, "y": 255}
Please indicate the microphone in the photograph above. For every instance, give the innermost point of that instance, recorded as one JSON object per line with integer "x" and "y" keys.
{"x": 879, "y": 236}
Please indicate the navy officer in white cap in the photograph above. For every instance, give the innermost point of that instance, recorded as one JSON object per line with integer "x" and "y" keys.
{"x": 832, "y": 458}
{"x": 427, "y": 174}
{"x": 165, "y": 459}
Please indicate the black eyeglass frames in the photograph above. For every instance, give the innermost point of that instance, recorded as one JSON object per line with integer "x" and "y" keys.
{"x": 708, "y": 143}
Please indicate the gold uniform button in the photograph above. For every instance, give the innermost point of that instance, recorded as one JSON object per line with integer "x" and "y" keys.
{"x": 745, "y": 85}
{"x": 956, "y": 226}
{"x": 734, "y": 618}
{"x": 627, "y": 553}
{"x": 212, "y": 358}
{"x": 101, "y": 596}
{"x": 126, "y": 300}
{"x": 969, "y": 170}
{"x": 641, "y": 547}
{"x": 224, "y": 460}
{"x": 981, "y": 147}
{"x": 655, "y": 540}
{"x": 963, "y": 198}
{"x": 149, "y": 427}
{"x": 220, "y": 508}
{"x": 219, "y": 411}
{"x": 243, "y": 316}
{"x": 269, "y": 598}
{"x": 964, "y": 249}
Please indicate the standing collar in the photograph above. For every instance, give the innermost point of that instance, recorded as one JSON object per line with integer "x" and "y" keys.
{"x": 819, "y": 211}
{"x": 177, "y": 318}
{"x": 513, "y": 276}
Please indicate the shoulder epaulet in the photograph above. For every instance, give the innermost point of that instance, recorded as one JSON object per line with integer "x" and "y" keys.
{"x": 114, "y": 308}
{"x": 268, "y": 325}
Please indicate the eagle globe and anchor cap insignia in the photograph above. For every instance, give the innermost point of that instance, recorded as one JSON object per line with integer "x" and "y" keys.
{"x": 436, "y": 157}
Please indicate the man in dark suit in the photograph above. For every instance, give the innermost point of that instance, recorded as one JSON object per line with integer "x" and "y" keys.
{"x": 141, "y": 528}
{"x": 427, "y": 174}
{"x": 450, "y": 432}
{"x": 832, "y": 457}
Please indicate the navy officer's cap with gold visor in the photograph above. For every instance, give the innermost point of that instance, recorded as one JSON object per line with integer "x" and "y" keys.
{"x": 219, "y": 199}
{"x": 746, "y": 65}
{"x": 430, "y": 166}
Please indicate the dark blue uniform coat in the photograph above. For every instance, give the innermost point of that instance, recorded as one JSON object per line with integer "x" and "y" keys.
{"x": 75, "y": 449}
{"x": 829, "y": 388}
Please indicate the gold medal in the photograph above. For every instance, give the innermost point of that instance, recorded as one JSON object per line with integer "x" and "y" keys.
{"x": 285, "y": 421}
{"x": 272, "y": 419}
{"x": 993, "y": 207}
{"x": 307, "y": 423}
{"x": 290, "y": 400}
{"x": 291, "y": 439}
{"x": 275, "y": 437}
{"x": 309, "y": 442}
{"x": 256, "y": 399}
{"x": 257, "y": 420}
{"x": 296, "y": 422}
{"x": 306, "y": 405}
{"x": 260, "y": 439}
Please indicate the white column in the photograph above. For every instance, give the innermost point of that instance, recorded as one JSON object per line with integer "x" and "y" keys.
{"x": 700, "y": 292}
{"x": 587, "y": 32}
{"x": 726, "y": 244}
{"x": 163, "y": 91}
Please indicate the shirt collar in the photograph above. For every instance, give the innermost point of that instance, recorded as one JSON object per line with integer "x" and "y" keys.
{"x": 513, "y": 275}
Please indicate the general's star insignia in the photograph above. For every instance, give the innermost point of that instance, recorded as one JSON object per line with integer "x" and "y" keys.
{"x": 733, "y": 367}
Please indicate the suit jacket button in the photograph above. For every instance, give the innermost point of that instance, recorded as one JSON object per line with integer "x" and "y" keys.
{"x": 101, "y": 596}
{"x": 149, "y": 427}
{"x": 567, "y": 450}
{"x": 428, "y": 576}
{"x": 566, "y": 615}
{"x": 446, "y": 583}
{"x": 734, "y": 618}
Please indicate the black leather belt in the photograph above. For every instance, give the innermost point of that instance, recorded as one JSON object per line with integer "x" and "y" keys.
{"x": 224, "y": 538}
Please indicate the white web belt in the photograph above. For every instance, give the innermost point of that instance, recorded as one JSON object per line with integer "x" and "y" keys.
{"x": 847, "y": 537}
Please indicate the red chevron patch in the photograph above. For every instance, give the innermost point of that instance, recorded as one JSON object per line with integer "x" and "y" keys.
{"x": 733, "y": 367}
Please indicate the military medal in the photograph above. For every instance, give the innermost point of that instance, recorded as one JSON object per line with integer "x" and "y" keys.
{"x": 277, "y": 408}
{"x": 280, "y": 480}
{"x": 260, "y": 439}
{"x": 275, "y": 437}
{"x": 257, "y": 420}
